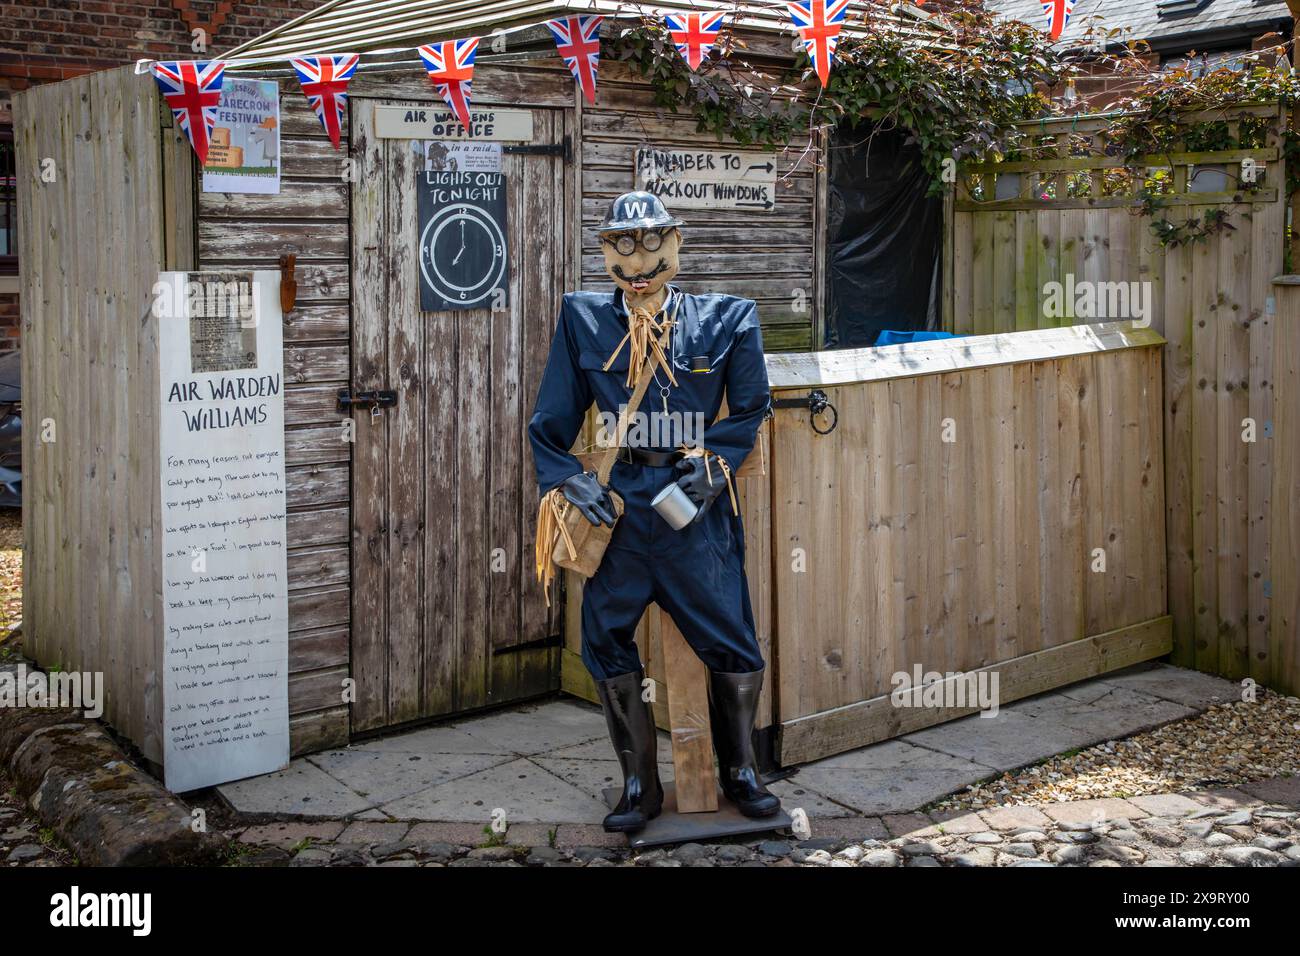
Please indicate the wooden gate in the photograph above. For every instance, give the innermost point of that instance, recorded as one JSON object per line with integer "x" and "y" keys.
{"x": 446, "y": 615}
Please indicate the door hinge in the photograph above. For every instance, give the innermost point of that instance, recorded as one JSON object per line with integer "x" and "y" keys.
{"x": 563, "y": 149}
{"x": 553, "y": 640}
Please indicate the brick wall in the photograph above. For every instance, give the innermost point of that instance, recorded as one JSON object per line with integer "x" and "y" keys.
{"x": 47, "y": 40}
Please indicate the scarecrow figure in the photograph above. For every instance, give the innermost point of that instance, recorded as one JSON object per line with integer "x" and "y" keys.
{"x": 700, "y": 346}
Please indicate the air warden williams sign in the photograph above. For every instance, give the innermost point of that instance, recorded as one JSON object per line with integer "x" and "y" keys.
{"x": 708, "y": 179}
{"x": 411, "y": 122}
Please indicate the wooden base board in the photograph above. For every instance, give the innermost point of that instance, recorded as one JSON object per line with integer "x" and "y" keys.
{"x": 672, "y": 826}
{"x": 870, "y": 721}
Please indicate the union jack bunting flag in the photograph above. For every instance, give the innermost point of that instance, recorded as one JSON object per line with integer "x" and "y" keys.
{"x": 1058, "y": 16}
{"x": 451, "y": 68}
{"x": 325, "y": 84}
{"x": 818, "y": 24}
{"x": 578, "y": 40}
{"x": 693, "y": 34}
{"x": 192, "y": 89}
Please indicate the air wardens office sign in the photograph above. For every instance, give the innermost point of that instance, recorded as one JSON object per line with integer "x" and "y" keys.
{"x": 418, "y": 122}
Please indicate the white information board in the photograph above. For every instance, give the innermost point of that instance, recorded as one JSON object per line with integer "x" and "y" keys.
{"x": 708, "y": 178}
{"x": 225, "y": 589}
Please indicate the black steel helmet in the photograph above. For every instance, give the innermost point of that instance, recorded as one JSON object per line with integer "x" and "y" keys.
{"x": 638, "y": 210}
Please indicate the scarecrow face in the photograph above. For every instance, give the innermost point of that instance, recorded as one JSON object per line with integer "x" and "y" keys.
{"x": 638, "y": 271}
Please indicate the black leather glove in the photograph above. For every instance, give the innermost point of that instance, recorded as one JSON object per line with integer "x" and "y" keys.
{"x": 695, "y": 482}
{"x": 585, "y": 493}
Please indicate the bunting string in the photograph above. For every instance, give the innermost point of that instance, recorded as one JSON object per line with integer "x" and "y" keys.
{"x": 192, "y": 89}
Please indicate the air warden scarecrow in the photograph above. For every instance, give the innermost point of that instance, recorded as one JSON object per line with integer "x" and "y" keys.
{"x": 667, "y": 543}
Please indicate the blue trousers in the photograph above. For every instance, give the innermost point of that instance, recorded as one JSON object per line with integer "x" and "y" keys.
{"x": 697, "y": 575}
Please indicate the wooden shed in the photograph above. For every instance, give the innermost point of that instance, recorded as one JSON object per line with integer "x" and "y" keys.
{"x": 410, "y": 587}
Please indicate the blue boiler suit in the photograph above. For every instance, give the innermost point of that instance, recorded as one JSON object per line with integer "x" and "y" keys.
{"x": 697, "y": 574}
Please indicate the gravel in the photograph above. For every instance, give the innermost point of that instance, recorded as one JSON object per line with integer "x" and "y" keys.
{"x": 1231, "y": 743}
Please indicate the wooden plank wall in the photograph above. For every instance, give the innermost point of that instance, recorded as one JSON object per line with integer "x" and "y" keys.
{"x": 309, "y": 217}
{"x": 1211, "y": 302}
{"x": 93, "y": 240}
{"x": 951, "y": 520}
{"x": 1284, "y": 513}
{"x": 765, "y": 256}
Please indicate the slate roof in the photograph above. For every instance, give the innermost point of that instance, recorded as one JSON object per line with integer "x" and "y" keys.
{"x": 1198, "y": 23}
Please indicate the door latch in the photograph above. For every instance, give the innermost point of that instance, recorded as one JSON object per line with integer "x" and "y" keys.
{"x": 817, "y": 404}
{"x": 374, "y": 399}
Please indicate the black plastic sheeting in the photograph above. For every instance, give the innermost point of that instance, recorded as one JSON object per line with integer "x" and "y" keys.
{"x": 884, "y": 239}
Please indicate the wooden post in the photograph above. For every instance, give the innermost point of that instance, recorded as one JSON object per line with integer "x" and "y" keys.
{"x": 688, "y": 717}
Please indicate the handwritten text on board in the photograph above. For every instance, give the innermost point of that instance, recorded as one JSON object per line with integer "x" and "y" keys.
{"x": 708, "y": 179}
{"x": 225, "y": 591}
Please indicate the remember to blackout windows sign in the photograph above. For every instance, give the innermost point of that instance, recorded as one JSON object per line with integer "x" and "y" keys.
{"x": 462, "y": 240}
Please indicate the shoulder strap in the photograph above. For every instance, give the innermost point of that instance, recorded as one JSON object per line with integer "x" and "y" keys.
{"x": 633, "y": 403}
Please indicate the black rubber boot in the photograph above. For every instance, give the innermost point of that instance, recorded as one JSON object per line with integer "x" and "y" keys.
{"x": 632, "y": 732}
{"x": 733, "y": 704}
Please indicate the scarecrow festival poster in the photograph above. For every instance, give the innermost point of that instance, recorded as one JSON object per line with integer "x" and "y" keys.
{"x": 245, "y": 153}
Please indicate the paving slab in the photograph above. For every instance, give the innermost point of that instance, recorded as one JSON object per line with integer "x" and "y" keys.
{"x": 1165, "y": 804}
{"x": 1014, "y": 818}
{"x": 1178, "y": 684}
{"x": 890, "y": 777}
{"x": 442, "y": 739}
{"x": 909, "y": 824}
{"x": 1283, "y": 790}
{"x": 302, "y": 789}
{"x": 382, "y": 776}
{"x": 1120, "y": 712}
{"x": 796, "y": 794}
{"x": 366, "y": 834}
{"x": 1084, "y": 692}
{"x": 1009, "y": 740}
{"x": 601, "y": 749}
{"x": 857, "y": 829}
{"x": 593, "y": 776}
{"x": 1223, "y": 798}
{"x": 958, "y": 821}
{"x": 1093, "y": 811}
{"x": 538, "y": 728}
{"x": 527, "y": 792}
{"x": 290, "y": 833}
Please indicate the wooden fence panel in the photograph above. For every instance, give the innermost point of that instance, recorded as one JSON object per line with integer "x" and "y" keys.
{"x": 93, "y": 240}
{"x": 1211, "y": 302}
{"x": 992, "y": 511}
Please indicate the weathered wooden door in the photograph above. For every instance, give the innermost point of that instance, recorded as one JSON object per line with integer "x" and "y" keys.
{"x": 446, "y": 615}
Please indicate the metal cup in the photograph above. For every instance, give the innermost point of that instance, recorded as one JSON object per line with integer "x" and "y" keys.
{"x": 674, "y": 506}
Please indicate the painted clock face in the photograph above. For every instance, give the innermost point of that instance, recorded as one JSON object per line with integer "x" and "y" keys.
{"x": 463, "y": 255}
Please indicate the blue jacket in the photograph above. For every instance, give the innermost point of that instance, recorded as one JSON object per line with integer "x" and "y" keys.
{"x": 717, "y": 347}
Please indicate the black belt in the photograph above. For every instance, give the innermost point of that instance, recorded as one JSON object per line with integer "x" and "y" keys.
{"x": 648, "y": 458}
